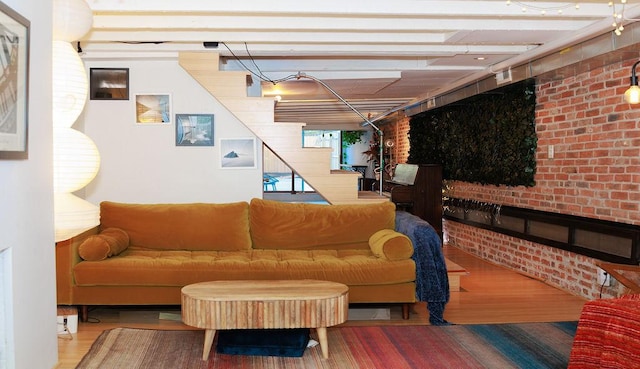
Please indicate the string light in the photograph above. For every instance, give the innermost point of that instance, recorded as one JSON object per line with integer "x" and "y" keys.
{"x": 543, "y": 10}
{"x": 618, "y": 17}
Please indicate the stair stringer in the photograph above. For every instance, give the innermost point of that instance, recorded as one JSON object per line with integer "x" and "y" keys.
{"x": 284, "y": 139}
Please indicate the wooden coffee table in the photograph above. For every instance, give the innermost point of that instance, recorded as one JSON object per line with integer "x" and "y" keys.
{"x": 265, "y": 305}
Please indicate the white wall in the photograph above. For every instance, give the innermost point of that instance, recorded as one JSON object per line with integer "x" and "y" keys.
{"x": 142, "y": 164}
{"x": 26, "y": 213}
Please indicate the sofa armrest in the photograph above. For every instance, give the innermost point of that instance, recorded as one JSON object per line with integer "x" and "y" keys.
{"x": 66, "y": 258}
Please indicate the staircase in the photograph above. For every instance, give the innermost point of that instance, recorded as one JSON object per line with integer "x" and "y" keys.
{"x": 284, "y": 139}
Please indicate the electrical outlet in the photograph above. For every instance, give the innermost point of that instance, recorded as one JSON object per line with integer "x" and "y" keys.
{"x": 604, "y": 278}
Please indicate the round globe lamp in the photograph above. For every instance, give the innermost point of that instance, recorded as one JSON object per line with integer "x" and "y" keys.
{"x": 70, "y": 85}
{"x": 76, "y": 160}
{"x": 73, "y": 215}
{"x": 72, "y": 19}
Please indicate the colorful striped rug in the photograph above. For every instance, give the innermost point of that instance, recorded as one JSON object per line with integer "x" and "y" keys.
{"x": 527, "y": 345}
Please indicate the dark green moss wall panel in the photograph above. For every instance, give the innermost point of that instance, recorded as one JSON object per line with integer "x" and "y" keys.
{"x": 488, "y": 138}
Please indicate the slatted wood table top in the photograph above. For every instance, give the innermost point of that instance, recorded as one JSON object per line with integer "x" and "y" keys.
{"x": 252, "y": 304}
{"x": 264, "y": 290}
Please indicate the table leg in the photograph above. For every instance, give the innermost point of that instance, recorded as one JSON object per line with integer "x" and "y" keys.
{"x": 324, "y": 345}
{"x": 209, "y": 334}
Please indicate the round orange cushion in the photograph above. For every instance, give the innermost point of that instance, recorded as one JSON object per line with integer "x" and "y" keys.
{"x": 107, "y": 243}
{"x": 392, "y": 245}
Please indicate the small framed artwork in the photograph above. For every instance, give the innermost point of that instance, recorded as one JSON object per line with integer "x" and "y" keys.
{"x": 238, "y": 153}
{"x": 109, "y": 83}
{"x": 194, "y": 129}
{"x": 14, "y": 82}
{"x": 153, "y": 109}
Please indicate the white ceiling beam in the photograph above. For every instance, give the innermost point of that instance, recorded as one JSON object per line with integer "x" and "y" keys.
{"x": 276, "y": 65}
{"x": 266, "y": 37}
{"x": 339, "y": 7}
{"x": 246, "y": 23}
{"x": 337, "y": 74}
{"x": 285, "y": 66}
{"x": 356, "y": 74}
{"x": 322, "y": 50}
{"x": 388, "y": 50}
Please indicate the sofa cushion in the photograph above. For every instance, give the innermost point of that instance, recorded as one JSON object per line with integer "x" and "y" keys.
{"x": 143, "y": 267}
{"x": 196, "y": 226}
{"x": 392, "y": 245}
{"x": 280, "y": 225}
{"x": 109, "y": 242}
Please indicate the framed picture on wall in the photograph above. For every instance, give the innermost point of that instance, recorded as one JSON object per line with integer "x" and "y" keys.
{"x": 109, "y": 83}
{"x": 14, "y": 82}
{"x": 153, "y": 109}
{"x": 238, "y": 153}
{"x": 194, "y": 129}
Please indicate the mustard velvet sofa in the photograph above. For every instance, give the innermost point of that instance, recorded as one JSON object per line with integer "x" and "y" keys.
{"x": 143, "y": 254}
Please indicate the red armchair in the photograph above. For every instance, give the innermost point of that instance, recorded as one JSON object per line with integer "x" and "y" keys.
{"x": 608, "y": 335}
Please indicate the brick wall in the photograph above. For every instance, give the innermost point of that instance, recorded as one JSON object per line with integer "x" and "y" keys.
{"x": 398, "y": 131}
{"x": 595, "y": 172}
{"x": 568, "y": 271}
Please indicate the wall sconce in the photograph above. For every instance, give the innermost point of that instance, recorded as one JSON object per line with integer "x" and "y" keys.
{"x": 632, "y": 95}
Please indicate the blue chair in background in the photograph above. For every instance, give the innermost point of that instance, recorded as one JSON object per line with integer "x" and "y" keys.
{"x": 268, "y": 180}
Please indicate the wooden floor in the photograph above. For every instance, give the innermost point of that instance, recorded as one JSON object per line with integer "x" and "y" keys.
{"x": 489, "y": 294}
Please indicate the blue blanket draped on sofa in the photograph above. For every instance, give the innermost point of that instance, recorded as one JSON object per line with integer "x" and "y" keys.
{"x": 432, "y": 282}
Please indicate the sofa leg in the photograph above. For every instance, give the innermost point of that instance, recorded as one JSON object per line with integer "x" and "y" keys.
{"x": 84, "y": 313}
{"x": 405, "y": 311}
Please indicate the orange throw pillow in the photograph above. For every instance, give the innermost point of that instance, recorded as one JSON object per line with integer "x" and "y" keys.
{"x": 107, "y": 243}
{"x": 392, "y": 245}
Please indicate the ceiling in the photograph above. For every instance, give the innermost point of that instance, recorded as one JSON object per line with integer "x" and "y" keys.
{"x": 335, "y": 63}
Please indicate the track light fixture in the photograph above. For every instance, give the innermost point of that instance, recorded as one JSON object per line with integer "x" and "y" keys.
{"x": 632, "y": 95}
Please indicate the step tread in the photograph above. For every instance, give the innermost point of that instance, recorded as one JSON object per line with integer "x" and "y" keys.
{"x": 283, "y": 138}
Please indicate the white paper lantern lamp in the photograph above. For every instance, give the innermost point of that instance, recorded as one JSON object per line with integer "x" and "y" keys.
{"x": 76, "y": 160}
{"x": 72, "y": 19}
{"x": 75, "y": 157}
{"x": 73, "y": 215}
{"x": 70, "y": 84}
